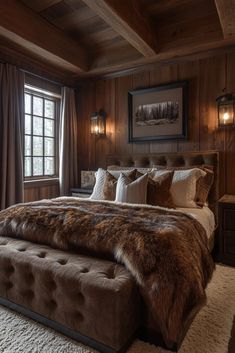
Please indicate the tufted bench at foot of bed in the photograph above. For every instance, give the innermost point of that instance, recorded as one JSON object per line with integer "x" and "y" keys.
{"x": 97, "y": 299}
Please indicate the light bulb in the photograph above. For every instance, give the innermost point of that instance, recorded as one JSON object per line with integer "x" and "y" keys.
{"x": 96, "y": 129}
{"x": 226, "y": 117}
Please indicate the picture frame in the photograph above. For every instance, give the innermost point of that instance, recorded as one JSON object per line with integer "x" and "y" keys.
{"x": 158, "y": 113}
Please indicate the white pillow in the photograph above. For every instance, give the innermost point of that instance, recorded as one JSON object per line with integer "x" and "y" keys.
{"x": 183, "y": 188}
{"x": 132, "y": 191}
{"x": 100, "y": 176}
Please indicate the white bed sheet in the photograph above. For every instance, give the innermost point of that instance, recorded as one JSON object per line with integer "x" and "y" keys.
{"x": 204, "y": 216}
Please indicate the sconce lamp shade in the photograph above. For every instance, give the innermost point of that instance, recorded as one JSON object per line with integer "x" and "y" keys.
{"x": 226, "y": 110}
{"x": 98, "y": 125}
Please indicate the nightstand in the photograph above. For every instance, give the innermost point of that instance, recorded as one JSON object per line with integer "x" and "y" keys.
{"x": 78, "y": 192}
{"x": 227, "y": 229}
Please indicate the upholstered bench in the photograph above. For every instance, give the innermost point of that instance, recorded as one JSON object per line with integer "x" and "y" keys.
{"x": 95, "y": 301}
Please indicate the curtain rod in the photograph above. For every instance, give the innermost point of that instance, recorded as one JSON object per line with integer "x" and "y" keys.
{"x": 32, "y": 73}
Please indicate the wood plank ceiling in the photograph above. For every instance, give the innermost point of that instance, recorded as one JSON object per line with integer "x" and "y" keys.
{"x": 87, "y": 38}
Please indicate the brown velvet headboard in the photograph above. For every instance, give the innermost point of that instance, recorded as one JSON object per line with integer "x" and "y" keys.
{"x": 183, "y": 159}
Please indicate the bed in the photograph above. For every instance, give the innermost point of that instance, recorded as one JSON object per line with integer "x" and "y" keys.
{"x": 47, "y": 274}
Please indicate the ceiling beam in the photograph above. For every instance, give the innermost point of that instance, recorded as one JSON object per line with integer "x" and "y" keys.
{"x": 226, "y": 12}
{"x": 126, "y": 18}
{"x": 40, "y": 5}
{"x": 21, "y": 25}
{"x": 169, "y": 56}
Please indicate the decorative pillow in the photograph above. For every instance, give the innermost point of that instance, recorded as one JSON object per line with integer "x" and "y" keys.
{"x": 132, "y": 191}
{"x": 158, "y": 188}
{"x": 100, "y": 177}
{"x": 110, "y": 184}
{"x": 183, "y": 188}
{"x": 203, "y": 184}
{"x": 203, "y": 187}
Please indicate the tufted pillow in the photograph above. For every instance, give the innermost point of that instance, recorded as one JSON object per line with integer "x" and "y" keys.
{"x": 132, "y": 191}
{"x": 100, "y": 177}
{"x": 203, "y": 184}
{"x": 158, "y": 188}
{"x": 110, "y": 184}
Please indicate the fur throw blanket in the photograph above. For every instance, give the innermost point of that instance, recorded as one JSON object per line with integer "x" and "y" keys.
{"x": 165, "y": 250}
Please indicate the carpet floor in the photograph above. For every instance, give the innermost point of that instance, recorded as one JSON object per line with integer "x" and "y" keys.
{"x": 213, "y": 330}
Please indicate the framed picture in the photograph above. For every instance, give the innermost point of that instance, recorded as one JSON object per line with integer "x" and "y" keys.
{"x": 158, "y": 113}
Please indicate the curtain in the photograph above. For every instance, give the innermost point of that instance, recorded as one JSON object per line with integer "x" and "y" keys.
{"x": 68, "y": 142}
{"x": 11, "y": 135}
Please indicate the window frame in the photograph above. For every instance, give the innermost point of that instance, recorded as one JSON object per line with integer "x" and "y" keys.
{"x": 57, "y": 100}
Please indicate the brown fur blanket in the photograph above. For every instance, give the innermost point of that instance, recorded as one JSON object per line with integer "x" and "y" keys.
{"x": 165, "y": 250}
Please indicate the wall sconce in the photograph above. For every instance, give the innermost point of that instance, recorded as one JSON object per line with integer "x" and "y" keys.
{"x": 98, "y": 123}
{"x": 225, "y": 109}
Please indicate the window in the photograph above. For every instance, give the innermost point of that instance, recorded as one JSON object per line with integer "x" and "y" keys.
{"x": 40, "y": 134}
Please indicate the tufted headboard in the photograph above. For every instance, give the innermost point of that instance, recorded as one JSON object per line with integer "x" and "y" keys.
{"x": 187, "y": 159}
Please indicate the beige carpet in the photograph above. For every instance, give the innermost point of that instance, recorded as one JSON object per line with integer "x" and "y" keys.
{"x": 209, "y": 333}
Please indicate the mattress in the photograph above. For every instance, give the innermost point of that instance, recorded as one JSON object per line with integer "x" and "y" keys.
{"x": 204, "y": 216}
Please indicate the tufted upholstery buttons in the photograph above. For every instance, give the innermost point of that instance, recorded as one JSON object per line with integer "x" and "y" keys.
{"x": 42, "y": 255}
{"x": 74, "y": 294}
{"x": 169, "y": 159}
{"x": 110, "y": 273}
{"x": 84, "y": 270}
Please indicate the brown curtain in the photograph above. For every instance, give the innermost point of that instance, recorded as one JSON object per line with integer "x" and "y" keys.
{"x": 11, "y": 135}
{"x": 68, "y": 142}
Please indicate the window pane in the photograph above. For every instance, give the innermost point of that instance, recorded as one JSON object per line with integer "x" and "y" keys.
{"x": 49, "y": 147}
{"x": 27, "y": 102}
{"x": 37, "y": 146}
{"x": 37, "y": 126}
{"x": 49, "y": 109}
{"x": 27, "y": 146}
{"x": 27, "y": 124}
{"x": 27, "y": 166}
{"x": 49, "y": 166}
{"x": 37, "y": 166}
{"x": 37, "y": 106}
{"x": 49, "y": 127}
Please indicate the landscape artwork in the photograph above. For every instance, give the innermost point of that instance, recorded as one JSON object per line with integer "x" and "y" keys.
{"x": 158, "y": 113}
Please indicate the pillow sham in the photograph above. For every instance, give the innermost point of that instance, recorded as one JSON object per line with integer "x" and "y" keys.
{"x": 100, "y": 176}
{"x": 110, "y": 184}
{"x": 203, "y": 187}
{"x": 158, "y": 188}
{"x": 132, "y": 191}
{"x": 203, "y": 184}
{"x": 183, "y": 188}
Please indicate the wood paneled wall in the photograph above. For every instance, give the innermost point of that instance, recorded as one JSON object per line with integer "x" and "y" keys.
{"x": 208, "y": 77}
{"x": 39, "y": 191}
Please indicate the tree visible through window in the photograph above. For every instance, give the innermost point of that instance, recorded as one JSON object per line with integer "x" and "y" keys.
{"x": 40, "y": 147}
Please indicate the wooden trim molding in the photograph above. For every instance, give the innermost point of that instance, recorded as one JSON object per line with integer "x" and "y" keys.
{"x": 28, "y": 184}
